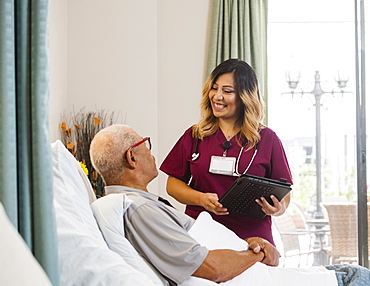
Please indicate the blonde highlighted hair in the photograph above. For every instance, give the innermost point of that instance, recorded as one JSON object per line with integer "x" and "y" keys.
{"x": 246, "y": 87}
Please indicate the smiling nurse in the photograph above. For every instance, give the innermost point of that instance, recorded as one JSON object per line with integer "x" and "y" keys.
{"x": 231, "y": 127}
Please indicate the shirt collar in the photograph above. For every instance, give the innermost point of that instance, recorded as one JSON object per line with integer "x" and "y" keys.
{"x": 116, "y": 189}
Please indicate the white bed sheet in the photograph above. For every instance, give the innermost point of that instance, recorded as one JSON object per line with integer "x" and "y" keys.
{"x": 216, "y": 236}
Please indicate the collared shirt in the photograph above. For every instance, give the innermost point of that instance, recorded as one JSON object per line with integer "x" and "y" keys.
{"x": 160, "y": 234}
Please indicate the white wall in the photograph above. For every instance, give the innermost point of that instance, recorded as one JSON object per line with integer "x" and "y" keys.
{"x": 143, "y": 58}
{"x": 58, "y": 63}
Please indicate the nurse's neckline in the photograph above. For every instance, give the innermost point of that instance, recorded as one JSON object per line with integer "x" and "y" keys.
{"x": 229, "y": 137}
{"x": 229, "y": 133}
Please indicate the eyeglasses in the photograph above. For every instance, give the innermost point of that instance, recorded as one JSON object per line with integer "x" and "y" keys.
{"x": 147, "y": 143}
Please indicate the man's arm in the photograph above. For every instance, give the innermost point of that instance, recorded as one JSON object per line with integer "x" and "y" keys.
{"x": 224, "y": 264}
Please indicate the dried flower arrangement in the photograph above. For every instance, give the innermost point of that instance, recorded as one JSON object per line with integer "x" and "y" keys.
{"x": 77, "y": 131}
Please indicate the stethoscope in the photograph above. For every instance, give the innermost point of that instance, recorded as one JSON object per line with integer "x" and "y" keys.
{"x": 236, "y": 173}
{"x": 227, "y": 145}
{"x": 195, "y": 154}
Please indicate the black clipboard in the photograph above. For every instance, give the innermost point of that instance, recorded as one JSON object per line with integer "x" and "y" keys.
{"x": 241, "y": 197}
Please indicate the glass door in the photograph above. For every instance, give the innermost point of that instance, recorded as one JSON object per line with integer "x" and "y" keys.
{"x": 312, "y": 90}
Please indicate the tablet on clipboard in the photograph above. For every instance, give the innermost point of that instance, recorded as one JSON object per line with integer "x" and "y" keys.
{"x": 241, "y": 197}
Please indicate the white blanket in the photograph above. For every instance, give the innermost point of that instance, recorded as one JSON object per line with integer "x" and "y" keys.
{"x": 216, "y": 236}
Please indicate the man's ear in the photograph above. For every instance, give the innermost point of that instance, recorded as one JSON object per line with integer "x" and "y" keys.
{"x": 131, "y": 158}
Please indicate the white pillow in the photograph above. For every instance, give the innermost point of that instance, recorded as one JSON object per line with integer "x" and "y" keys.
{"x": 84, "y": 257}
{"x": 214, "y": 235}
{"x": 109, "y": 212}
{"x": 18, "y": 265}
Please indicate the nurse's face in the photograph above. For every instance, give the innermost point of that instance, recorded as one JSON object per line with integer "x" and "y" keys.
{"x": 225, "y": 102}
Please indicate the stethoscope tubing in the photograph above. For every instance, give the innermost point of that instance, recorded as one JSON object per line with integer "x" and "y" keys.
{"x": 196, "y": 155}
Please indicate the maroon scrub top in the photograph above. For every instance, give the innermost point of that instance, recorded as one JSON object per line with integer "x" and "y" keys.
{"x": 270, "y": 162}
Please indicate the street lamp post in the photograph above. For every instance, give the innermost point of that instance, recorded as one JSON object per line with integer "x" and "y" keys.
{"x": 317, "y": 93}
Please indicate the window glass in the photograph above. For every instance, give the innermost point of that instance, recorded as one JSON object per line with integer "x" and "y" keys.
{"x": 314, "y": 38}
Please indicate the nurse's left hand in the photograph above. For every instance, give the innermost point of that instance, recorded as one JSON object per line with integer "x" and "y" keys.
{"x": 277, "y": 209}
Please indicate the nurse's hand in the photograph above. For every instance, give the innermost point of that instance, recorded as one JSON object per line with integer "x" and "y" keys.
{"x": 277, "y": 209}
{"x": 210, "y": 202}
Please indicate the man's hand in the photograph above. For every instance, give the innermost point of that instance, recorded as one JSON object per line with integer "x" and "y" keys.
{"x": 210, "y": 202}
{"x": 271, "y": 254}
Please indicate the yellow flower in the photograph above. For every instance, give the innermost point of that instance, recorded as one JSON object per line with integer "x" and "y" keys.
{"x": 83, "y": 166}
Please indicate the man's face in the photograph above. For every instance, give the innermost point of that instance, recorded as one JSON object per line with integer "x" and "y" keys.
{"x": 152, "y": 166}
{"x": 147, "y": 160}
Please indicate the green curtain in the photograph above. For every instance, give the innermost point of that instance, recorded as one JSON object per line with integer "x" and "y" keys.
{"x": 26, "y": 189}
{"x": 239, "y": 30}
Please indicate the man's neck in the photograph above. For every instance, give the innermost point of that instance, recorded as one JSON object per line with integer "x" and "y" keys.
{"x": 135, "y": 186}
{"x": 129, "y": 178}
{"x": 134, "y": 182}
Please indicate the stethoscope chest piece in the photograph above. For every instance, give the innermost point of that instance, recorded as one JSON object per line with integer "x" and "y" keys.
{"x": 195, "y": 156}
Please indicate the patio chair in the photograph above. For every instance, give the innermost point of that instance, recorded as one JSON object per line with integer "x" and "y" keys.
{"x": 293, "y": 231}
{"x": 343, "y": 232}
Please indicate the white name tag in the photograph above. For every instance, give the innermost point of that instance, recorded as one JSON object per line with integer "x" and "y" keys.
{"x": 222, "y": 165}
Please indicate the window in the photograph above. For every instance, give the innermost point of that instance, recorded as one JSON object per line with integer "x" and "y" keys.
{"x": 315, "y": 38}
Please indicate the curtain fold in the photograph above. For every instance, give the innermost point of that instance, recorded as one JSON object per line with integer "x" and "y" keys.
{"x": 239, "y": 30}
{"x": 25, "y": 154}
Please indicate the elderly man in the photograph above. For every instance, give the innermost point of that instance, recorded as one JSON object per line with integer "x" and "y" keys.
{"x": 158, "y": 231}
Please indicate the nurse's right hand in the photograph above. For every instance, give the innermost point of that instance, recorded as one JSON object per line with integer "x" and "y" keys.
{"x": 210, "y": 202}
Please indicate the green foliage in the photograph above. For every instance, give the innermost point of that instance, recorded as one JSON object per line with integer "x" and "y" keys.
{"x": 304, "y": 188}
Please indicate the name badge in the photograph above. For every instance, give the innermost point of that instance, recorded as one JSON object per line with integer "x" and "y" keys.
{"x": 222, "y": 165}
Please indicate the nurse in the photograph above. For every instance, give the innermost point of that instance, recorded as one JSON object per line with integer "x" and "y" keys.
{"x": 230, "y": 130}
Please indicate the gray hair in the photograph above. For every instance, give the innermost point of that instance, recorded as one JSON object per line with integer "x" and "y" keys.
{"x": 107, "y": 151}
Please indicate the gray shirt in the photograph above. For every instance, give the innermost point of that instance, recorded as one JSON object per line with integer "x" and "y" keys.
{"x": 160, "y": 233}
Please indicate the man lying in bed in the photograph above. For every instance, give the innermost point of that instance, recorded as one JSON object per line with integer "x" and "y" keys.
{"x": 158, "y": 231}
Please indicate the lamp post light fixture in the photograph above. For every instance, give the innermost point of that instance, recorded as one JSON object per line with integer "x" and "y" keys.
{"x": 292, "y": 79}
